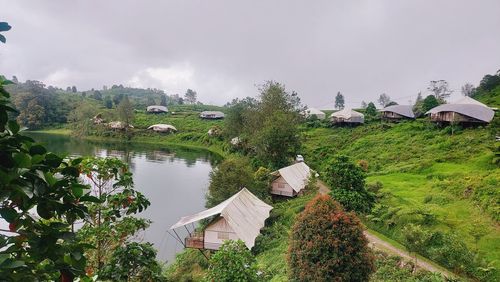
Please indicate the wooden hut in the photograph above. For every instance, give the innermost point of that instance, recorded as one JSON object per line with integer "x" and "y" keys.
{"x": 291, "y": 180}
{"x": 157, "y": 109}
{"x": 397, "y": 113}
{"x": 164, "y": 128}
{"x": 347, "y": 116}
{"x": 465, "y": 111}
{"x": 238, "y": 218}
{"x": 314, "y": 112}
{"x": 212, "y": 115}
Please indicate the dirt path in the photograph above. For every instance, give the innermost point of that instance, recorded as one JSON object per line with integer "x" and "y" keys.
{"x": 379, "y": 244}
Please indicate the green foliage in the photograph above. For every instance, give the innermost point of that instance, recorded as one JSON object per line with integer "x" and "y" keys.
{"x": 232, "y": 262}
{"x": 328, "y": 244}
{"x": 40, "y": 198}
{"x": 429, "y": 103}
{"x": 231, "y": 176}
{"x": 371, "y": 112}
{"x": 348, "y": 185}
{"x": 133, "y": 262}
{"x": 339, "y": 101}
{"x": 125, "y": 111}
{"x": 110, "y": 222}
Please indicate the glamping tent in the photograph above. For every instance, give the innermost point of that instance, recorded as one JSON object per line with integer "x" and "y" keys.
{"x": 156, "y": 109}
{"x": 397, "y": 113}
{"x": 239, "y": 217}
{"x": 347, "y": 116}
{"x": 118, "y": 125}
{"x": 290, "y": 180}
{"x": 312, "y": 111}
{"x": 212, "y": 115}
{"x": 465, "y": 111}
{"x": 163, "y": 128}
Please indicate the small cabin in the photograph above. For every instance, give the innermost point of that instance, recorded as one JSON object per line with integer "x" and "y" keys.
{"x": 291, "y": 180}
{"x": 314, "y": 112}
{"x": 466, "y": 111}
{"x": 156, "y": 109}
{"x": 212, "y": 115}
{"x": 347, "y": 117}
{"x": 240, "y": 217}
{"x": 397, "y": 113}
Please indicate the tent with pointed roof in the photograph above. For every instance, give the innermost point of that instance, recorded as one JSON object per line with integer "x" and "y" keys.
{"x": 291, "y": 180}
{"x": 465, "y": 111}
{"x": 348, "y": 116}
{"x": 312, "y": 111}
{"x": 397, "y": 112}
{"x": 239, "y": 217}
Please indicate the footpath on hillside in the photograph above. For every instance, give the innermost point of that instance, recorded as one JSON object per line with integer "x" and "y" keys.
{"x": 382, "y": 245}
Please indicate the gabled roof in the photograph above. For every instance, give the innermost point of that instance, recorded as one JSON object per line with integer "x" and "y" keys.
{"x": 296, "y": 175}
{"x": 471, "y": 110}
{"x": 347, "y": 114}
{"x": 403, "y": 110}
{"x": 244, "y": 212}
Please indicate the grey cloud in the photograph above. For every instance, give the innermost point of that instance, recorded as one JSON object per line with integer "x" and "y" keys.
{"x": 361, "y": 48}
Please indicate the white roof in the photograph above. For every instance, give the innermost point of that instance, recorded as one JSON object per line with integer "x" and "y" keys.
{"x": 313, "y": 111}
{"x": 296, "y": 175}
{"x": 403, "y": 110}
{"x": 212, "y": 113}
{"x": 162, "y": 126}
{"x": 347, "y": 114}
{"x": 244, "y": 212}
{"x": 468, "y": 107}
{"x": 157, "y": 107}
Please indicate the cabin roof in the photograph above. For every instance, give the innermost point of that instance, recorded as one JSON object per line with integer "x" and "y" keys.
{"x": 347, "y": 114}
{"x": 403, "y": 110}
{"x": 295, "y": 175}
{"x": 157, "y": 107}
{"x": 214, "y": 113}
{"x": 244, "y": 212}
{"x": 471, "y": 110}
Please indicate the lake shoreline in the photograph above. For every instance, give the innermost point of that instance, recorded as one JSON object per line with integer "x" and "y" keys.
{"x": 136, "y": 140}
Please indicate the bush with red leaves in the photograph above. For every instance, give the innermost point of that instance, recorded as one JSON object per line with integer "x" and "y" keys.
{"x": 327, "y": 244}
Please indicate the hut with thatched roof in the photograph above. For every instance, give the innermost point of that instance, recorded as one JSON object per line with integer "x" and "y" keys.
{"x": 240, "y": 217}
{"x": 464, "y": 111}
{"x": 291, "y": 180}
{"x": 314, "y": 112}
{"x": 212, "y": 115}
{"x": 164, "y": 128}
{"x": 156, "y": 109}
{"x": 397, "y": 113}
{"x": 347, "y": 116}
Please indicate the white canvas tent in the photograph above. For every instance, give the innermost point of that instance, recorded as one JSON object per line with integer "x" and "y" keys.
{"x": 156, "y": 109}
{"x": 161, "y": 127}
{"x": 239, "y": 217}
{"x": 347, "y": 116}
{"x": 290, "y": 180}
{"x": 312, "y": 111}
{"x": 211, "y": 115}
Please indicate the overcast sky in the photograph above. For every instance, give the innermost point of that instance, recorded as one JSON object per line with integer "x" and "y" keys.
{"x": 222, "y": 49}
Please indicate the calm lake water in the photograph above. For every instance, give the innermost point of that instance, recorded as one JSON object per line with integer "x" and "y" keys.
{"x": 174, "y": 180}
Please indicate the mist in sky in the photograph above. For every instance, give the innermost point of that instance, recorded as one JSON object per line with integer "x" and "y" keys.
{"x": 223, "y": 49}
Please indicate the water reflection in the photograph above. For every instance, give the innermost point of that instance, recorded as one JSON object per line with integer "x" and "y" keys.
{"x": 174, "y": 179}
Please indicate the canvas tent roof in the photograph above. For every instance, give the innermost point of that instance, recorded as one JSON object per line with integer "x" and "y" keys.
{"x": 347, "y": 114}
{"x": 295, "y": 175}
{"x": 471, "y": 110}
{"x": 244, "y": 212}
{"x": 162, "y": 127}
{"x": 313, "y": 111}
{"x": 212, "y": 113}
{"x": 469, "y": 101}
{"x": 403, "y": 110}
{"x": 157, "y": 108}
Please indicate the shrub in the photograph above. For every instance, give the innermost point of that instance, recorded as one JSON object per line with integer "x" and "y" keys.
{"x": 232, "y": 262}
{"x": 327, "y": 244}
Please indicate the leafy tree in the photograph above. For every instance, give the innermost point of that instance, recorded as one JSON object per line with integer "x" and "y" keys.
{"x": 232, "y": 262}
{"x": 348, "y": 185}
{"x": 327, "y": 244}
{"x": 125, "y": 112}
{"x": 68, "y": 89}
{"x": 81, "y": 117}
{"x": 163, "y": 101}
{"x": 14, "y": 79}
{"x": 110, "y": 222}
{"x": 108, "y": 103}
{"x": 371, "y": 111}
{"x": 364, "y": 105}
{"x": 151, "y": 101}
{"x": 40, "y": 198}
{"x": 4, "y": 27}
{"x": 117, "y": 98}
{"x": 237, "y": 115}
{"x": 417, "y": 107}
{"x": 97, "y": 95}
{"x": 415, "y": 239}
{"x": 190, "y": 96}
{"x": 384, "y": 100}
{"x": 230, "y": 176}
{"x": 468, "y": 90}
{"x": 73, "y": 89}
{"x": 339, "y": 101}
{"x": 440, "y": 89}
{"x": 133, "y": 262}
{"x": 429, "y": 103}
{"x": 490, "y": 82}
